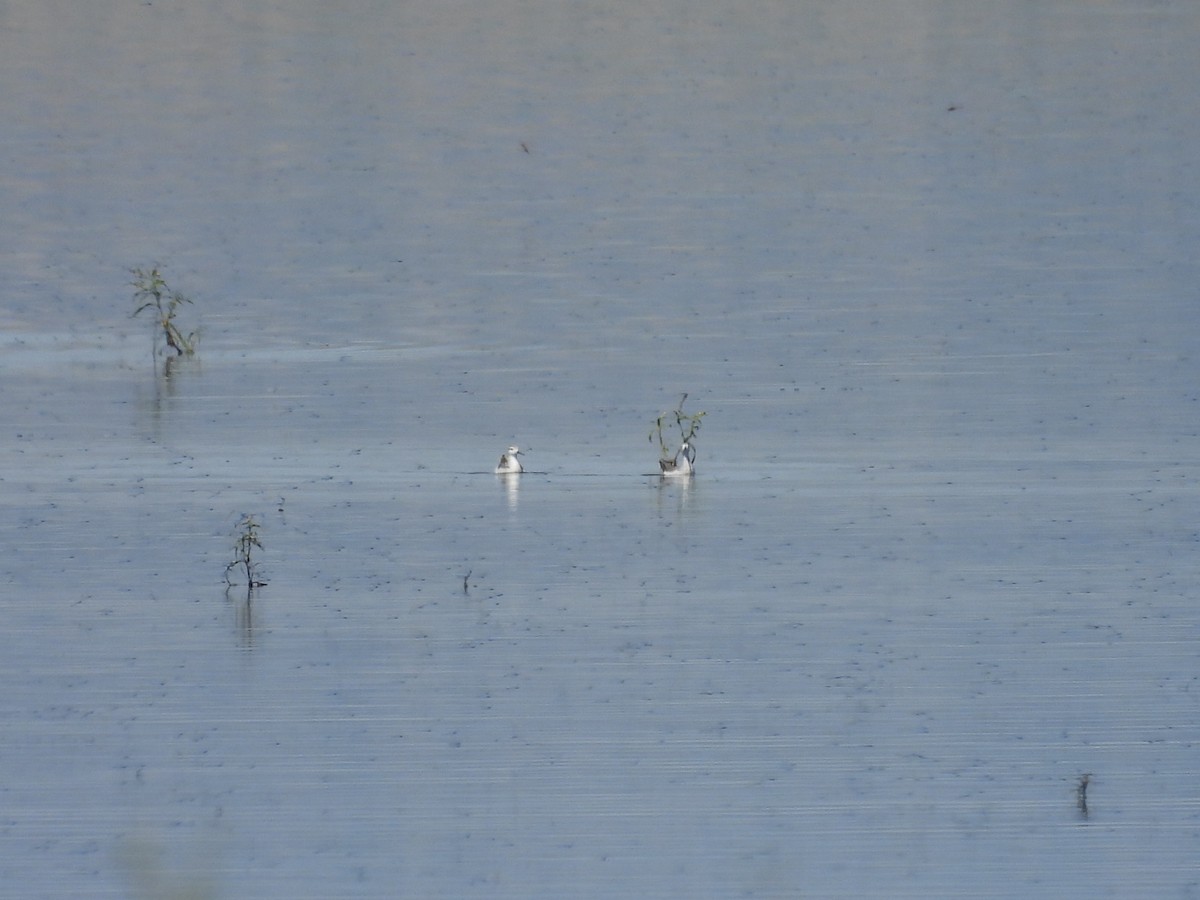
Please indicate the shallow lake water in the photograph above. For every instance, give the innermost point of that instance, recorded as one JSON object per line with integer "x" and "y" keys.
{"x": 929, "y": 268}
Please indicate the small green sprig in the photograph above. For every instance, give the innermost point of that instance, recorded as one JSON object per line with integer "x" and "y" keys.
{"x": 687, "y": 423}
{"x": 150, "y": 291}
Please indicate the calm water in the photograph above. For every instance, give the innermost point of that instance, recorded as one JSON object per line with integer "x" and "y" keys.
{"x": 930, "y": 270}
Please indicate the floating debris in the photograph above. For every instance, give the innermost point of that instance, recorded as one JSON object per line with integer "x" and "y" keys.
{"x": 1081, "y": 793}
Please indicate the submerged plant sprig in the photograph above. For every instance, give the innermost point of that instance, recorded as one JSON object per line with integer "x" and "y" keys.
{"x": 150, "y": 291}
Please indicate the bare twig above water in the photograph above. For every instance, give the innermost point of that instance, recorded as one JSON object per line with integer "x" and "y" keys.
{"x": 246, "y": 542}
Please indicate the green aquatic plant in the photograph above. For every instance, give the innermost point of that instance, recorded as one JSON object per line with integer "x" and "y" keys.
{"x": 246, "y": 541}
{"x": 151, "y": 291}
{"x": 688, "y": 425}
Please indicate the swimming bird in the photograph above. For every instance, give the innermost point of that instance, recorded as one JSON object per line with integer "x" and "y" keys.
{"x": 683, "y": 465}
{"x": 509, "y": 464}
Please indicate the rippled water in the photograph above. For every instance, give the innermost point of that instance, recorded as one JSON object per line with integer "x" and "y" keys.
{"x": 930, "y": 271}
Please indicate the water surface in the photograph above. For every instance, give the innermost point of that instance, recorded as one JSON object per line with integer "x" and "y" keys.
{"x": 930, "y": 271}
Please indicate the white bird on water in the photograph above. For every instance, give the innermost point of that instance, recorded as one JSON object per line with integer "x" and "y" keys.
{"x": 509, "y": 464}
{"x": 683, "y": 465}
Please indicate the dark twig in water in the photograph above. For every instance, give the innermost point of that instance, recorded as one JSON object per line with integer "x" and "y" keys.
{"x": 687, "y": 423}
{"x": 1081, "y": 793}
{"x": 246, "y": 541}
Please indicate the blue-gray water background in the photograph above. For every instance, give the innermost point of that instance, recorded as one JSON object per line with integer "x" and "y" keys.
{"x": 929, "y": 267}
